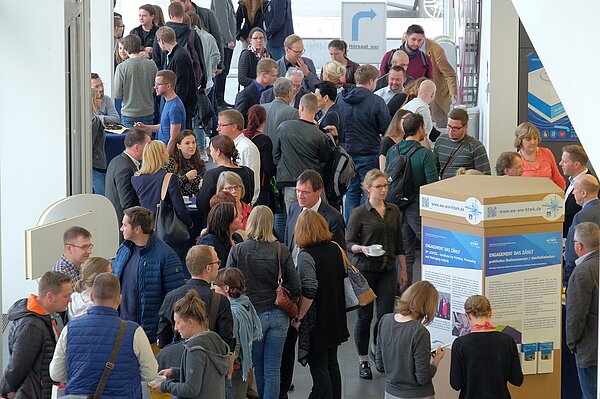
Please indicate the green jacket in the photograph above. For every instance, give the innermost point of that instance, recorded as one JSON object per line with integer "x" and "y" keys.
{"x": 422, "y": 164}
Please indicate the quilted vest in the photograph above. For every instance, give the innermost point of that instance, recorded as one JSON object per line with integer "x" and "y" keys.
{"x": 90, "y": 340}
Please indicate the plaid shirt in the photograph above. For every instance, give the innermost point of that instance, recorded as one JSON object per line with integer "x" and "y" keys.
{"x": 66, "y": 267}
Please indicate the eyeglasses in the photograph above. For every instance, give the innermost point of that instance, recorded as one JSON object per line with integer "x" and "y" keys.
{"x": 232, "y": 188}
{"x": 223, "y": 124}
{"x": 380, "y": 186}
{"x": 297, "y": 52}
{"x": 84, "y": 247}
{"x": 213, "y": 263}
{"x": 454, "y": 128}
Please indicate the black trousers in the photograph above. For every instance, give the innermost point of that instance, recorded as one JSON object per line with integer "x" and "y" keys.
{"x": 325, "y": 372}
{"x": 221, "y": 78}
{"x": 287, "y": 362}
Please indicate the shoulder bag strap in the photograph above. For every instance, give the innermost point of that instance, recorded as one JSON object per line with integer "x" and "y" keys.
{"x": 214, "y": 307}
{"x": 344, "y": 256}
{"x": 280, "y": 276}
{"x": 165, "y": 186}
{"x": 110, "y": 364}
{"x": 454, "y": 155}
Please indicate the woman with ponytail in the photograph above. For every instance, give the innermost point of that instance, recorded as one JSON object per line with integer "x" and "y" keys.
{"x": 81, "y": 299}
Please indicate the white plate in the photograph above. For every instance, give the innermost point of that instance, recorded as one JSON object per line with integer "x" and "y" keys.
{"x": 375, "y": 254}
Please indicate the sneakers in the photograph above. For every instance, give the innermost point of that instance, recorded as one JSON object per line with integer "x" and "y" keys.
{"x": 364, "y": 371}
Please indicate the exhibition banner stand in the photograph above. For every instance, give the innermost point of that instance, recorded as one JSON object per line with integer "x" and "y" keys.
{"x": 500, "y": 237}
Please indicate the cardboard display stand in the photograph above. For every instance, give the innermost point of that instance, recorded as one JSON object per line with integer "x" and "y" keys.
{"x": 500, "y": 237}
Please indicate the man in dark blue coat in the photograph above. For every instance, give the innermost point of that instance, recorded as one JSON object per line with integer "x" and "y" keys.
{"x": 266, "y": 74}
{"x": 278, "y": 25}
{"x": 148, "y": 270}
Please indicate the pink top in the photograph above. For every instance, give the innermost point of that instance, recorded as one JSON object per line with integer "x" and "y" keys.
{"x": 545, "y": 166}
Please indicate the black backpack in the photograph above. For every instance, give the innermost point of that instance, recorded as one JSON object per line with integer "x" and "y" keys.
{"x": 196, "y": 59}
{"x": 339, "y": 171}
{"x": 401, "y": 187}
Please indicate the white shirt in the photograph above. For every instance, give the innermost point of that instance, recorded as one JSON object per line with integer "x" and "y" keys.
{"x": 316, "y": 206}
{"x": 135, "y": 161}
{"x": 418, "y": 106}
{"x": 141, "y": 349}
{"x": 386, "y": 93}
{"x": 582, "y": 258}
{"x": 250, "y": 157}
{"x": 572, "y": 183}
{"x": 80, "y": 303}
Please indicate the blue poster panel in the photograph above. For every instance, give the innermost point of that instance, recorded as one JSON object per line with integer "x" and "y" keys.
{"x": 544, "y": 108}
{"x": 509, "y": 254}
{"x": 451, "y": 249}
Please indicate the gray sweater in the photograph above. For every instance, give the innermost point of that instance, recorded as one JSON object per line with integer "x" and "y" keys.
{"x": 134, "y": 83}
{"x": 404, "y": 352}
{"x": 204, "y": 364}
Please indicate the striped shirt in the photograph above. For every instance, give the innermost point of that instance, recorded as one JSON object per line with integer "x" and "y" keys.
{"x": 471, "y": 156}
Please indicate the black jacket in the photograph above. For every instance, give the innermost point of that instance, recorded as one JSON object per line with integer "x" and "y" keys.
{"x": 223, "y": 324}
{"x": 147, "y": 38}
{"x": 118, "y": 188}
{"x": 243, "y": 24}
{"x": 31, "y": 344}
{"x": 334, "y": 218}
{"x": 246, "y": 98}
{"x": 181, "y": 64}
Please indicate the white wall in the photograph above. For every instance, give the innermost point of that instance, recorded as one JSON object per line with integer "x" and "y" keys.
{"x": 498, "y": 81}
{"x": 564, "y": 34}
{"x": 102, "y": 38}
{"x": 33, "y": 139}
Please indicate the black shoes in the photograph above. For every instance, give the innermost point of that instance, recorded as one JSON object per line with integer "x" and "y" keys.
{"x": 364, "y": 371}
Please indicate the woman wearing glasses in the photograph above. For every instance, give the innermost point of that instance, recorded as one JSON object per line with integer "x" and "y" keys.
{"x": 374, "y": 237}
{"x": 232, "y": 183}
{"x": 249, "y": 57}
{"x": 225, "y": 155}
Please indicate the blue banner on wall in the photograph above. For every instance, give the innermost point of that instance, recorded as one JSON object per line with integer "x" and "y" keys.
{"x": 509, "y": 254}
{"x": 451, "y": 249}
{"x": 544, "y": 108}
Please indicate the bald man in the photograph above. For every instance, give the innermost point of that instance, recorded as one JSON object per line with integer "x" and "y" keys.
{"x": 399, "y": 59}
{"x": 585, "y": 190}
{"x": 420, "y": 105}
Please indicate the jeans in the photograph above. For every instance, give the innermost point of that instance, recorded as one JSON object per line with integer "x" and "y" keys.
{"x": 276, "y": 52}
{"x": 588, "y": 380}
{"x": 325, "y": 372}
{"x": 354, "y": 195}
{"x": 128, "y": 121}
{"x": 200, "y": 136}
{"x": 384, "y": 286}
{"x": 411, "y": 232}
{"x": 98, "y": 181}
{"x": 289, "y": 196}
{"x": 266, "y": 352}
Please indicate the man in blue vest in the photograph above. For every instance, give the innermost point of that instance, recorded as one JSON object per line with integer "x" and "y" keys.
{"x": 85, "y": 345}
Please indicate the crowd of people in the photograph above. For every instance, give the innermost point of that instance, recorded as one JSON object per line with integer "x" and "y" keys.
{"x": 263, "y": 210}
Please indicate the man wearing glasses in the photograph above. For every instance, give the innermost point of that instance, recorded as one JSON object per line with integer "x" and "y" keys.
{"x": 457, "y": 149}
{"x": 294, "y": 48}
{"x": 78, "y": 248}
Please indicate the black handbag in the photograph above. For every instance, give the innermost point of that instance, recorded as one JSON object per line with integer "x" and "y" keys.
{"x": 168, "y": 226}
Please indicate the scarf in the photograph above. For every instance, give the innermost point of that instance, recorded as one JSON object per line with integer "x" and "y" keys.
{"x": 264, "y": 54}
{"x": 249, "y": 329}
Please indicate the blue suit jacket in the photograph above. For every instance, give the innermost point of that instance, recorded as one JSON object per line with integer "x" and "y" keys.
{"x": 589, "y": 213}
{"x": 246, "y": 98}
{"x": 278, "y": 21}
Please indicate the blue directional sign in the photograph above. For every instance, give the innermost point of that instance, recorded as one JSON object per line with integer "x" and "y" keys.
{"x": 356, "y": 19}
{"x": 364, "y": 29}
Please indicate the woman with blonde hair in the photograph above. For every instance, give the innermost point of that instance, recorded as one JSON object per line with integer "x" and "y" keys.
{"x": 484, "y": 360}
{"x": 537, "y": 161}
{"x": 374, "y": 238}
{"x": 404, "y": 345}
{"x": 232, "y": 183}
{"x": 393, "y": 135}
{"x": 334, "y": 72}
{"x": 260, "y": 258}
{"x": 81, "y": 299}
{"x": 321, "y": 320}
{"x": 205, "y": 359}
{"x": 148, "y": 181}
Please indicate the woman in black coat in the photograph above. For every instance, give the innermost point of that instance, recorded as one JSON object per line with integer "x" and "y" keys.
{"x": 321, "y": 319}
{"x": 249, "y": 15}
{"x": 223, "y": 222}
{"x": 249, "y": 57}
